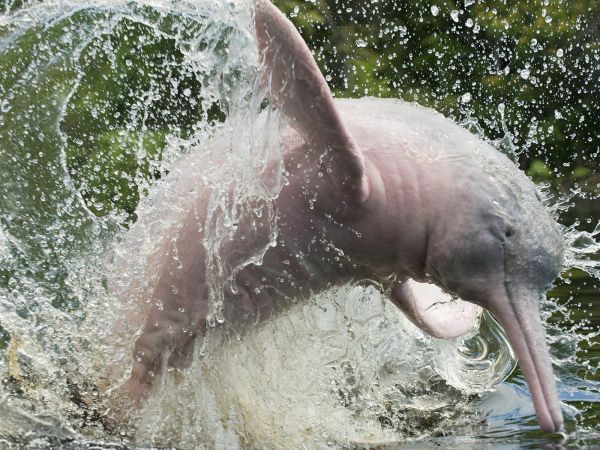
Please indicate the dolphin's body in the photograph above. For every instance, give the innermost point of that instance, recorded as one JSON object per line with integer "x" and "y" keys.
{"x": 398, "y": 191}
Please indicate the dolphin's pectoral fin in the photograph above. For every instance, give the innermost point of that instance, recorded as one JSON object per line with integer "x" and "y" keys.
{"x": 182, "y": 354}
{"x": 434, "y": 311}
{"x": 295, "y": 86}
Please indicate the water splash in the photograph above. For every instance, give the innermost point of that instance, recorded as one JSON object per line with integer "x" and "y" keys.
{"x": 583, "y": 249}
{"x": 476, "y": 363}
{"x": 99, "y": 105}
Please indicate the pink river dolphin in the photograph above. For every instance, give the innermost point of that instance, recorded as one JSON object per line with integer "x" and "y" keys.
{"x": 407, "y": 197}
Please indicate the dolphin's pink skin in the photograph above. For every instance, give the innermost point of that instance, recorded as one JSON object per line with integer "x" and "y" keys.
{"x": 398, "y": 190}
{"x": 434, "y": 311}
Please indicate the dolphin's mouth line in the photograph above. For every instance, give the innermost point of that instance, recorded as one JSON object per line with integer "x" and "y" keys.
{"x": 441, "y": 303}
{"x": 524, "y": 346}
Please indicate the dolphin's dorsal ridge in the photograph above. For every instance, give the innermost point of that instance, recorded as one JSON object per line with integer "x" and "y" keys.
{"x": 295, "y": 86}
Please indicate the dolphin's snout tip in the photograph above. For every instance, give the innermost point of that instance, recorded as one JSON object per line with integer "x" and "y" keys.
{"x": 559, "y": 426}
{"x": 552, "y": 428}
{"x": 553, "y": 424}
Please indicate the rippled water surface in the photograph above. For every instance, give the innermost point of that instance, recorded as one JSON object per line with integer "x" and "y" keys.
{"x": 98, "y": 104}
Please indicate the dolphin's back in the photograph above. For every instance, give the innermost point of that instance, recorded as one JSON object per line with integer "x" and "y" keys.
{"x": 422, "y": 135}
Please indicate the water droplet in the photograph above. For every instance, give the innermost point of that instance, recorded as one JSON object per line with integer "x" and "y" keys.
{"x": 466, "y": 97}
{"x": 454, "y": 15}
{"x": 548, "y": 19}
{"x": 524, "y": 73}
{"x": 435, "y": 10}
{"x": 560, "y": 52}
{"x": 361, "y": 43}
{"x": 469, "y": 23}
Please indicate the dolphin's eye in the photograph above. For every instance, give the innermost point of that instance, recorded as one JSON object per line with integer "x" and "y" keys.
{"x": 509, "y": 232}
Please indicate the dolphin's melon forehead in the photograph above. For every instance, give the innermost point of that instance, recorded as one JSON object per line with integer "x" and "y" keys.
{"x": 434, "y": 136}
{"x": 427, "y": 137}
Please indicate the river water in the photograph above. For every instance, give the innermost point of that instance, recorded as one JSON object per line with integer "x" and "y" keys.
{"x": 98, "y": 103}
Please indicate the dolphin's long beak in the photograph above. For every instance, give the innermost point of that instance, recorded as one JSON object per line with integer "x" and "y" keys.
{"x": 520, "y": 317}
